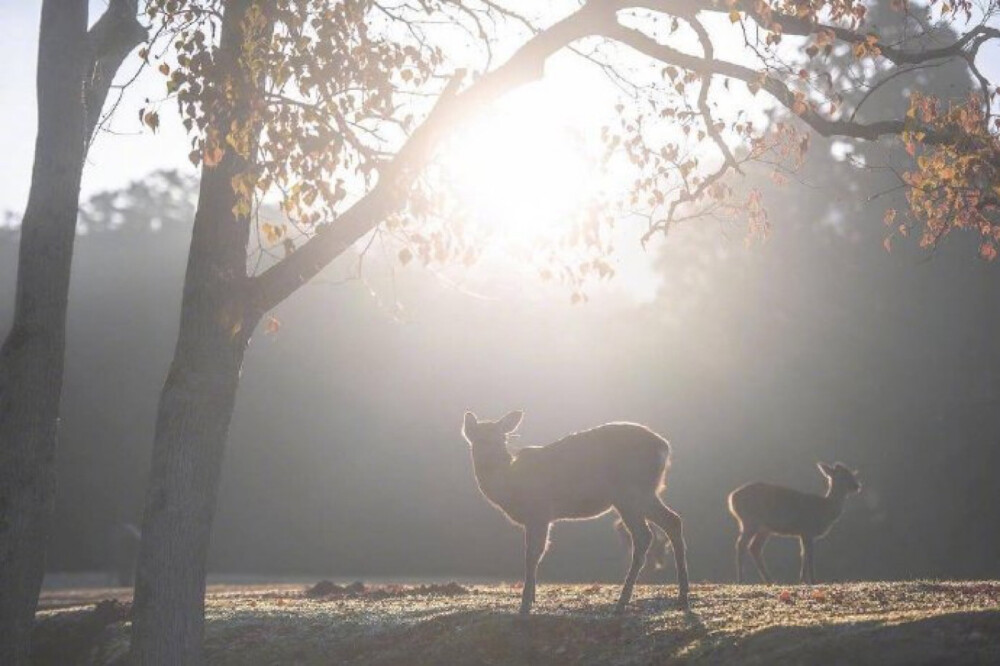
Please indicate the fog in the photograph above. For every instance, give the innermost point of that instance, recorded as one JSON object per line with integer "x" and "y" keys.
{"x": 345, "y": 457}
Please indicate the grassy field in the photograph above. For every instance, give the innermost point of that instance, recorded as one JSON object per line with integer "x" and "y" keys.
{"x": 919, "y": 622}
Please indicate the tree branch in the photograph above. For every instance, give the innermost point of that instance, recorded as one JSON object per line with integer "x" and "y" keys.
{"x": 452, "y": 109}
{"x": 776, "y": 88}
{"x": 793, "y": 25}
{"x": 597, "y": 18}
{"x": 110, "y": 39}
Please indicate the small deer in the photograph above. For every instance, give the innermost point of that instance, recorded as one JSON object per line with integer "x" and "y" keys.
{"x": 762, "y": 509}
{"x": 620, "y": 466}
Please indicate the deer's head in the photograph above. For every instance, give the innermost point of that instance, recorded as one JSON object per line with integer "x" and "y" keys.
{"x": 490, "y": 435}
{"x": 842, "y": 479}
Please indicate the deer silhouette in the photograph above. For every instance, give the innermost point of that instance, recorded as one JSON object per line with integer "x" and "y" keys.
{"x": 762, "y": 509}
{"x": 620, "y": 466}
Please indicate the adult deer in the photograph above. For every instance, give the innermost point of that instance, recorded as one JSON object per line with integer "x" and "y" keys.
{"x": 620, "y": 466}
{"x": 762, "y": 509}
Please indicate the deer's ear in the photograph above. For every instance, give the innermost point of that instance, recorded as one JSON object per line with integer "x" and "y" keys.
{"x": 469, "y": 422}
{"x": 827, "y": 470}
{"x": 510, "y": 422}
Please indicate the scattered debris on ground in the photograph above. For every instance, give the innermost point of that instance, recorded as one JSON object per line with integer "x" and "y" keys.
{"x": 919, "y": 622}
{"x": 328, "y": 590}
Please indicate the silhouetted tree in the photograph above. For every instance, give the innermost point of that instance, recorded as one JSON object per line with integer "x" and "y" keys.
{"x": 75, "y": 70}
{"x": 300, "y": 95}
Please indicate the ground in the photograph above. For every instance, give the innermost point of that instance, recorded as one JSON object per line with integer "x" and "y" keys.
{"x": 918, "y": 622}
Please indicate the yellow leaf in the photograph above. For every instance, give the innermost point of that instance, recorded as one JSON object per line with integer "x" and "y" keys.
{"x": 734, "y": 16}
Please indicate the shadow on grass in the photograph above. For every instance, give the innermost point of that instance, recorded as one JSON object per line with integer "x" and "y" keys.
{"x": 964, "y": 638}
{"x": 490, "y": 637}
{"x": 473, "y": 637}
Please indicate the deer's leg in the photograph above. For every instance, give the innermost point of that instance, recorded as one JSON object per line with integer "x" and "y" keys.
{"x": 807, "y": 573}
{"x": 672, "y": 525}
{"x": 656, "y": 558}
{"x": 536, "y": 540}
{"x": 741, "y": 553}
{"x": 756, "y": 548}
{"x": 642, "y": 536}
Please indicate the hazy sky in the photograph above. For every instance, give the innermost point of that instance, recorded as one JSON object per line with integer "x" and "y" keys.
{"x": 114, "y": 158}
{"x": 128, "y": 151}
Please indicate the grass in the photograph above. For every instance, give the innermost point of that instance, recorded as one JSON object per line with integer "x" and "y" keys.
{"x": 919, "y": 622}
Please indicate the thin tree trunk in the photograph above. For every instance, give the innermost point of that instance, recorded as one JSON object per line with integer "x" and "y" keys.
{"x": 196, "y": 404}
{"x": 73, "y": 66}
{"x": 31, "y": 359}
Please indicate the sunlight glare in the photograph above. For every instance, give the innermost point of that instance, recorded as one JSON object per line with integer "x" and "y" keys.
{"x": 521, "y": 171}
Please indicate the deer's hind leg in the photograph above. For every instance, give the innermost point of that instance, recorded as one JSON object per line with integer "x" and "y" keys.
{"x": 642, "y": 537}
{"x": 672, "y": 525}
{"x": 757, "y": 551}
{"x": 742, "y": 550}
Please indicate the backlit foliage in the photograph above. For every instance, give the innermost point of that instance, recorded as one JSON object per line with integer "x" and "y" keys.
{"x": 955, "y": 183}
{"x": 335, "y": 95}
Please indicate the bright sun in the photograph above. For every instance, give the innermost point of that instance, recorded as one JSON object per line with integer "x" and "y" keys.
{"x": 525, "y": 169}
{"x": 522, "y": 170}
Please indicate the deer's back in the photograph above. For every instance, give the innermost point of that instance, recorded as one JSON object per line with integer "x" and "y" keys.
{"x": 585, "y": 473}
{"x": 780, "y": 510}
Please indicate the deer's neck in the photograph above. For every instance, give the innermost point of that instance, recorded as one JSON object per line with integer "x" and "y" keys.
{"x": 835, "y": 502}
{"x": 492, "y": 468}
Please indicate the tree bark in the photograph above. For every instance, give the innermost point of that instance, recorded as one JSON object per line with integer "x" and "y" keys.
{"x": 196, "y": 404}
{"x": 32, "y": 355}
{"x": 195, "y": 410}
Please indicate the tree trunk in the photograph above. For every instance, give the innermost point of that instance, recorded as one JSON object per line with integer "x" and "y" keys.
{"x": 31, "y": 359}
{"x": 73, "y": 66}
{"x": 196, "y": 404}
{"x": 195, "y": 409}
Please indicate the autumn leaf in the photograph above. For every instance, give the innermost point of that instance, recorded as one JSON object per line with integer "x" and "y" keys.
{"x": 152, "y": 120}
{"x": 734, "y": 16}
